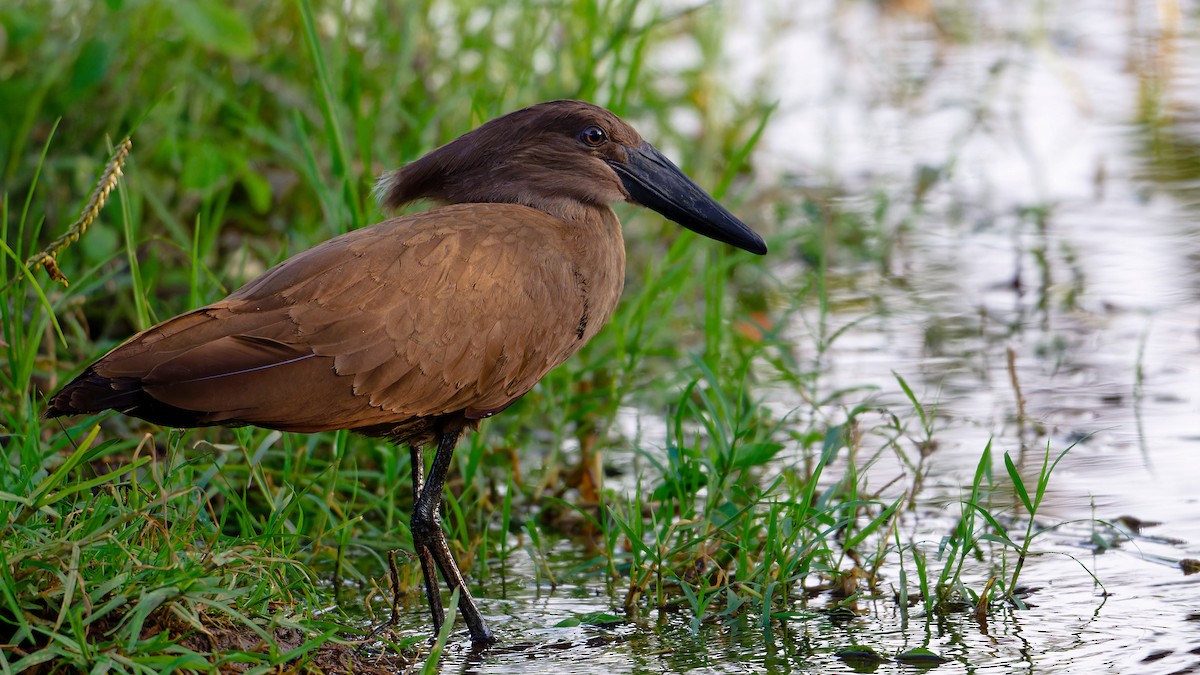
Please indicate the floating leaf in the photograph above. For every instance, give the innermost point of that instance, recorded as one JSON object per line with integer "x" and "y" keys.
{"x": 592, "y": 619}
{"x": 601, "y": 619}
{"x": 920, "y": 657}
{"x": 860, "y": 655}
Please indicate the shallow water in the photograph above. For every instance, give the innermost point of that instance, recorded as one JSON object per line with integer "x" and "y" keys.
{"x": 1089, "y": 114}
{"x": 1062, "y": 144}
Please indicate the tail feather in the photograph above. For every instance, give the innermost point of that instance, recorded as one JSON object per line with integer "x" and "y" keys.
{"x": 92, "y": 393}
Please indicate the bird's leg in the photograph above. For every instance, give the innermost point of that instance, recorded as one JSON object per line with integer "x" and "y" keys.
{"x": 428, "y": 564}
{"x": 421, "y": 543}
{"x": 427, "y": 521}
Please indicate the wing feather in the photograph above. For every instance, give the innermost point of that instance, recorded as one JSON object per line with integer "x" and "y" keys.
{"x": 434, "y": 314}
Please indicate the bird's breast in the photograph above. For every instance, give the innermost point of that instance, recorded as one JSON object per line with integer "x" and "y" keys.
{"x": 598, "y": 271}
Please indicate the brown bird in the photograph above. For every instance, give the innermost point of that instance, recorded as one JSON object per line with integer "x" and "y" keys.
{"x": 418, "y": 327}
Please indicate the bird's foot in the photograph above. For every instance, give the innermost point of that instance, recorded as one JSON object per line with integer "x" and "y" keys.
{"x": 482, "y": 637}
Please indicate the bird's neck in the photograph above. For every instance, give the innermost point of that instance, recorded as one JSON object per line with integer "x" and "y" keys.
{"x": 598, "y": 253}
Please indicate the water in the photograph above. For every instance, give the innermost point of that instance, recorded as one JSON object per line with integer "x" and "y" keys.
{"x": 1064, "y": 143}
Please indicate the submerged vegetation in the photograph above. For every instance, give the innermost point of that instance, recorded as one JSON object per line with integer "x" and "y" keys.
{"x": 744, "y": 492}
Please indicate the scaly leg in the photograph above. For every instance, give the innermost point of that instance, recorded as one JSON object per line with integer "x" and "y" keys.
{"x": 426, "y": 520}
{"x": 421, "y": 545}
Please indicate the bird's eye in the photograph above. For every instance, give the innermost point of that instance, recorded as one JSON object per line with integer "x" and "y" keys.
{"x": 593, "y": 136}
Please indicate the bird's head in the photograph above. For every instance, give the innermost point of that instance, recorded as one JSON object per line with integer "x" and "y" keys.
{"x": 564, "y": 158}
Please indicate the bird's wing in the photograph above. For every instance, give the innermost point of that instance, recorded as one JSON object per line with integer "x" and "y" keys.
{"x": 420, "y": 316}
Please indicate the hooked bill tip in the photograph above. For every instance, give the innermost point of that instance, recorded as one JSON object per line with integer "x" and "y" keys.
{"x": 654, "y": 182}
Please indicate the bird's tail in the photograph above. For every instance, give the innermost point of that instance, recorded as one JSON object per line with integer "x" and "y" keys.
{"x": 92, "y": 393}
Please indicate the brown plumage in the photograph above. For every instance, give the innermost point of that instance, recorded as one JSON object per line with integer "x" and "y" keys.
{"x": 416, "y": 328}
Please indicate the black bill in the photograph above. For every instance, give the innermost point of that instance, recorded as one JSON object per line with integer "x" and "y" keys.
{"x": 656, "y": 183}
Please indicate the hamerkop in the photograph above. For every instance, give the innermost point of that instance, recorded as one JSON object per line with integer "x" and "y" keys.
{"x": 418, "y": 327}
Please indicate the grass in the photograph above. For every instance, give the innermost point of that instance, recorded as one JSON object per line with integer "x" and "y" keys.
{"x": 257, "y": 130}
